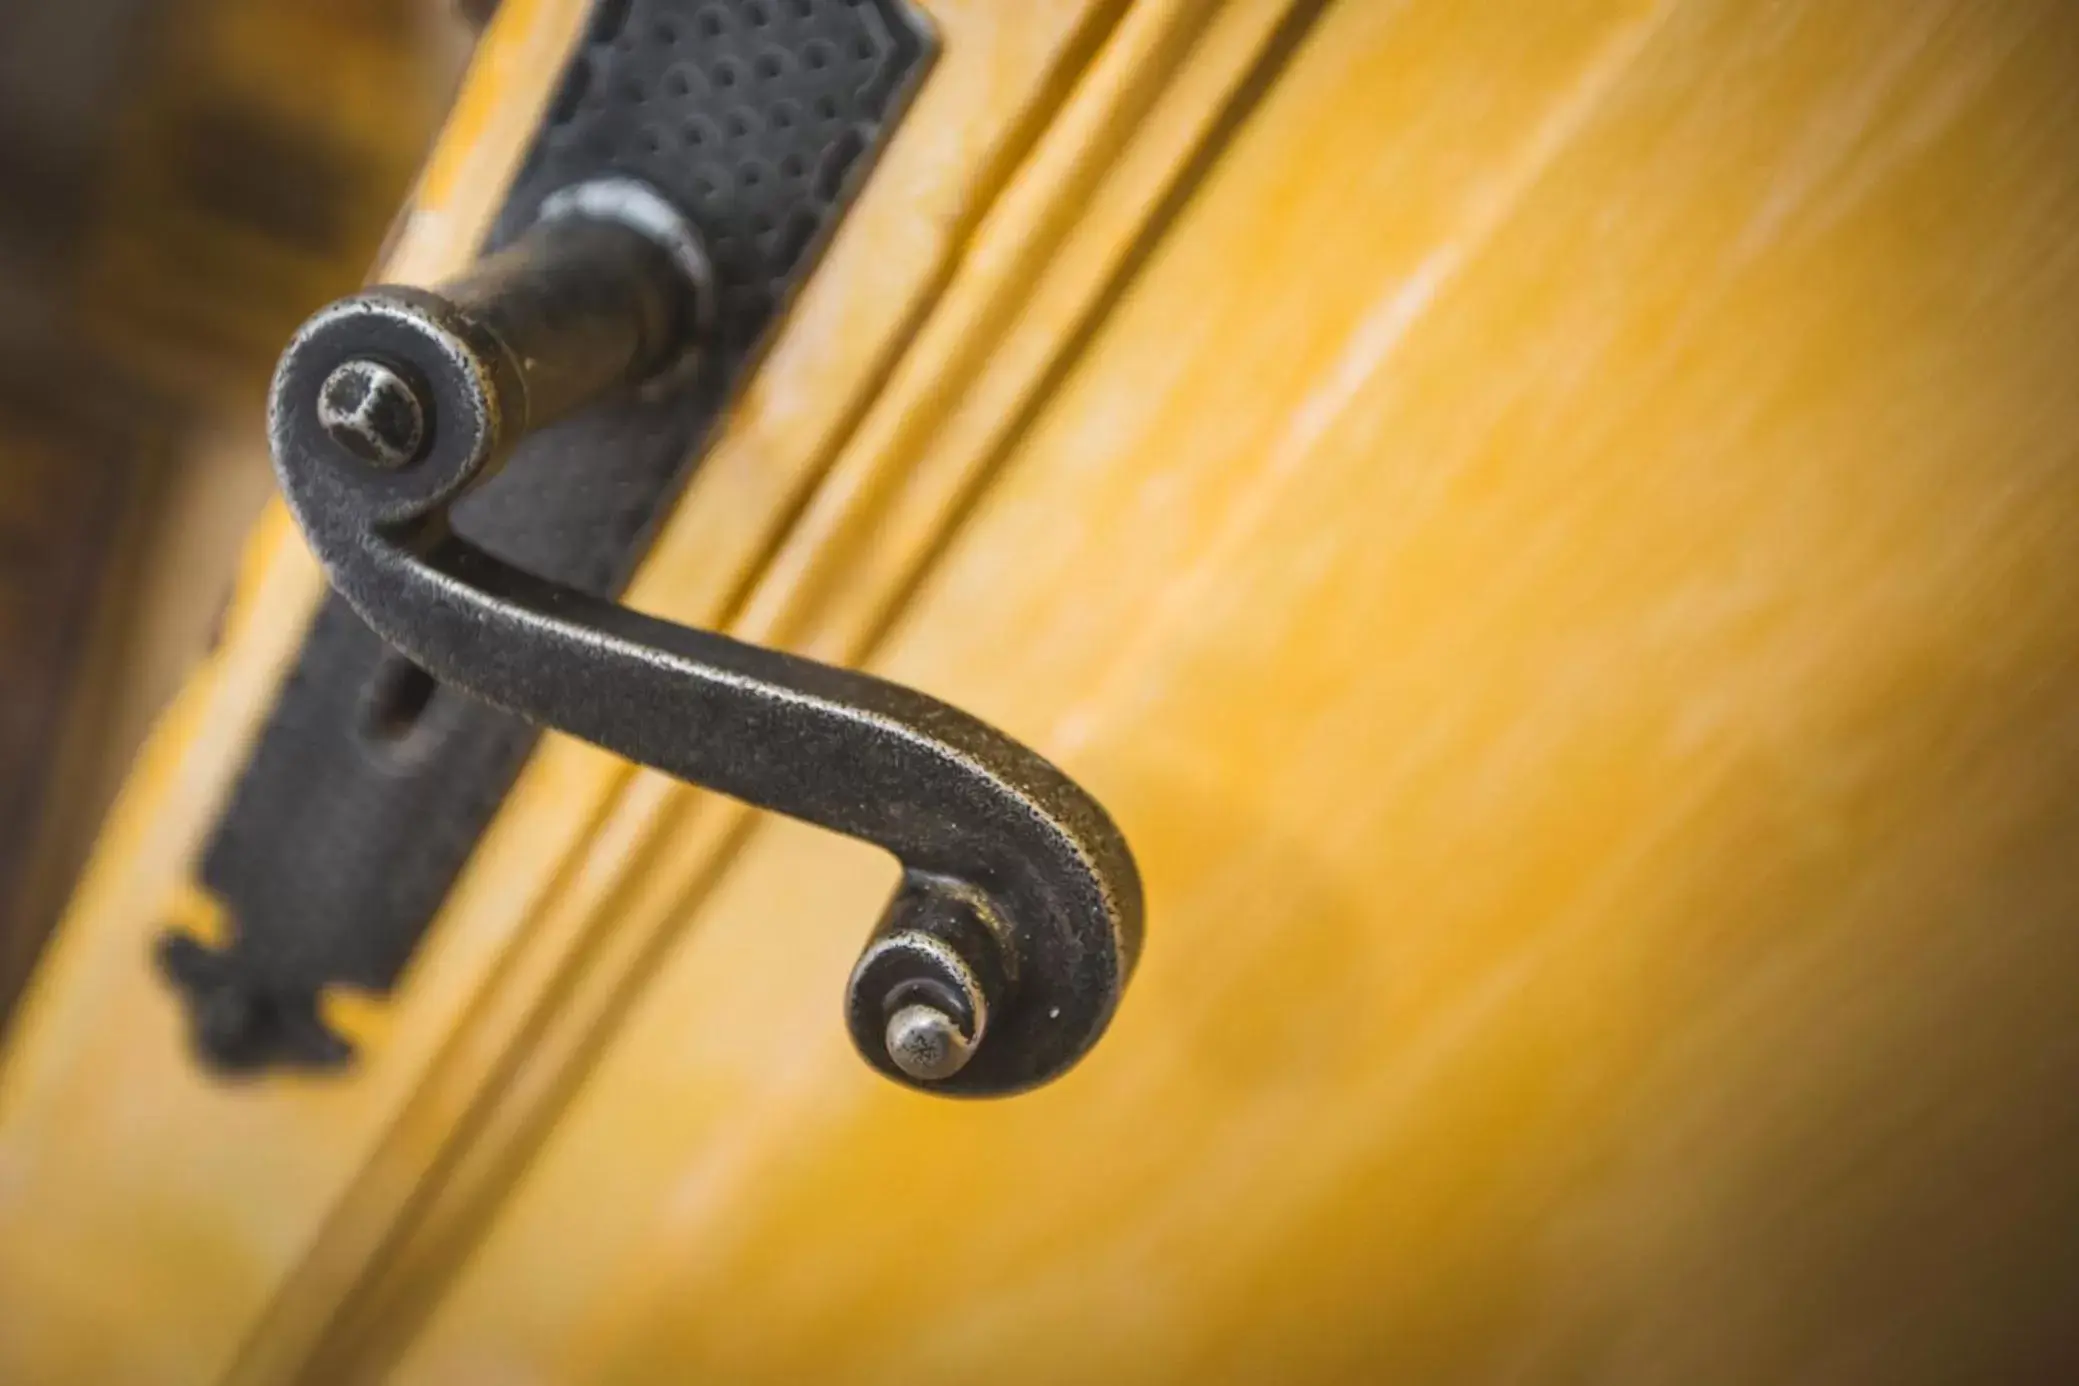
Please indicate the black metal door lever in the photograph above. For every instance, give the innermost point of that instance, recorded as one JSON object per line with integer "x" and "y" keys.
{"x": 1001, "y": 957}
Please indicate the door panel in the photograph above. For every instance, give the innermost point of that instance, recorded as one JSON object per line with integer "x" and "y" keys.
{"x": 1564, "y": 592}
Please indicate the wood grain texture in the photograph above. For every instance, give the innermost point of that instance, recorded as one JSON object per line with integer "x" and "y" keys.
{"x": 1560, "y": 563}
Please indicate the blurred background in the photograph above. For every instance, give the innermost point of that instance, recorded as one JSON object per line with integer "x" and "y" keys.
{"x": 181, "y": 182}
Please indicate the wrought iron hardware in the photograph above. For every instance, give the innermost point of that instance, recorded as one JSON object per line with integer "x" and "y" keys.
{"x": 758, "y": 122}
{"x": 1001, "y": 957}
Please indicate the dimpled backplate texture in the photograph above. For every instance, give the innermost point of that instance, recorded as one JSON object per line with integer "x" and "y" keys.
{"x": 369, "y": 786}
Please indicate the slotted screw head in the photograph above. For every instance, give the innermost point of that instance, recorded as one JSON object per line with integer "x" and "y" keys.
{"x": 374, "y": 413}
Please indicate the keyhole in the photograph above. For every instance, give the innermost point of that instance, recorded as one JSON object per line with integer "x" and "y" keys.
{"x": 394, "y": 708}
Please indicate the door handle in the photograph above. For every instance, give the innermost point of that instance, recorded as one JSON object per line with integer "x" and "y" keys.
{"x": 1017, "y": 921}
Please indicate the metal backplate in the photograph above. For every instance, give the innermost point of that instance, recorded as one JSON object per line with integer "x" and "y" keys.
{"x": 370, "y": 784}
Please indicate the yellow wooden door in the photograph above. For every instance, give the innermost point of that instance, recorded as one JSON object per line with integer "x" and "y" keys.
{"x": 1548, "y": 527}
